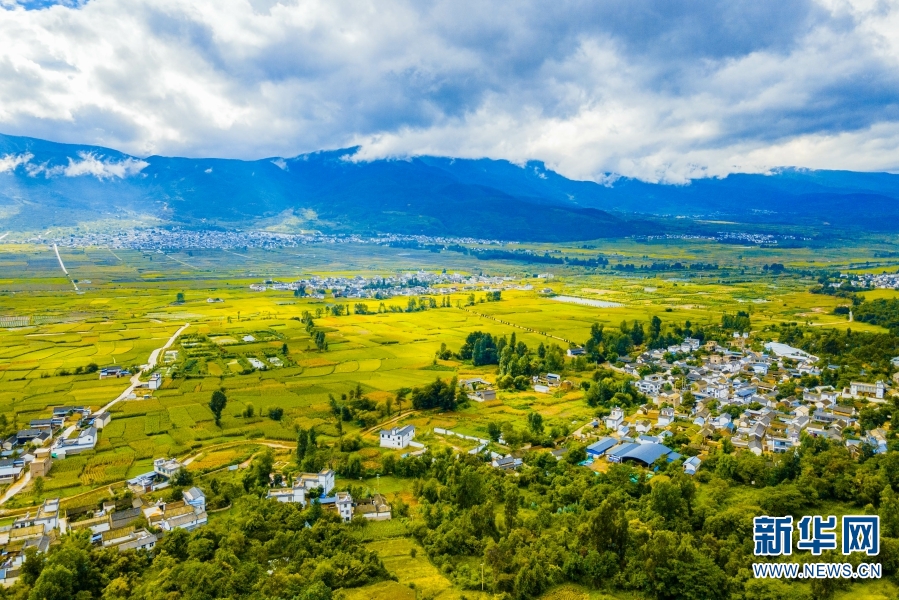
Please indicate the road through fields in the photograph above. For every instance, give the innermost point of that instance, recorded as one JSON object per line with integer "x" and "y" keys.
{"x": 151, "y": 363}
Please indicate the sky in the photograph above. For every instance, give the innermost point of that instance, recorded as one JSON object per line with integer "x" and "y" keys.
{"x": 665, "y": 91}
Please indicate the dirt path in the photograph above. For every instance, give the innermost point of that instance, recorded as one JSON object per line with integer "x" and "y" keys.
{"x": 16, "y": 488}
{"x": 151, "y": 363}
{"x": 390, "y": 421}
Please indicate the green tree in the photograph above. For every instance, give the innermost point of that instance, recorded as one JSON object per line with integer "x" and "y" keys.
{"x": 260, "y": 469}
{"x": 217, "y": 405}
{"x": 510, "y": 506}
{"x": 535, "y": 423}
{"x": 182, "y": 478}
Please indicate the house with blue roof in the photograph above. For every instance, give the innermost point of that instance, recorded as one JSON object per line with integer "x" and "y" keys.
{"x": 597, "y": 449}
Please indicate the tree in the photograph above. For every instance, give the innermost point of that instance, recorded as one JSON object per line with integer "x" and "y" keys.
{"x": 249, "y": 412}
{"x": 179, "y": 297}
{"x": 493, "y": 431}
{"x": 182, "y": 478}
{"x": 535, "y": 423}
{"x": 275, "y": 413}
{"x": 510, "y": 507}
{"x": 259, "y": 471}
{"x": 217, "y": 405}
{"x": 439, "y": 394}
{"x": 38, "y": 486}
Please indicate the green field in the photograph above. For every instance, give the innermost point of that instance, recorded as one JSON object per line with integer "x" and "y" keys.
{"x": 129, "y": 309}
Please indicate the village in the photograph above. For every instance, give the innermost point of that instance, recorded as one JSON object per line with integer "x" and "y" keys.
{"x": 709, "y": 393}
{"x": 411, "y": 284}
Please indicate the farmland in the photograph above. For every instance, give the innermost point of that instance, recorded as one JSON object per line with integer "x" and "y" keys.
{"x": 129, "y": 308}
{"x": 258, "y": 350}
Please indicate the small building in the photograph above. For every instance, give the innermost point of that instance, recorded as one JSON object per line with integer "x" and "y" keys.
{"x": 196, "y": 498}
{"x": 572, "y": 352}
{"x": 397, "y": 437}
{"x": 86, "y": 440}
{"x": 691, "y": 465}
{"x": 541, "y": 389}
{"x": 615, "y": 418}
{"x": 41, "y": 464}
{"x": 324, "y": 479}
{"x": 553, "y": 379}
{"x": 102, "y": 419}
{"x": 375, "y": 508}
{"x": 64, "y": 411}
{"x": 112, "y": 371}
{"x": 666, "y": 417}
{"x": 139, "y": 539}
{"x": 857, "y": 388}
{"x": 38, "y": 437}
{"x": 167, "y": 467}
{"x": 155, "y": 381}
{"x": 49, "y": 424}
{"x": 344, "y": 504}
{"x": 474, "y": 383}
{"x": 484, "y": 395}
{"x": 506, "y": 463}
{"x": 597, "y": 449}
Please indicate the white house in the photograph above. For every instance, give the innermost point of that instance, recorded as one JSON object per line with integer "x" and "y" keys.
{"x": 291, "y": 495}
{"x": 323, "y": 479}
{"x": 650, "y": 388}
{"x": 155, "y": 381}
{"x": 344, "y": 505}
{"x": 691, "y": 465}
{"x": 666, "y": 417}
{"x": 615, "y": 419}
{"x": 102, "y": 419}
{"x": 167, "y": 467}
{"x": 304, "y": 483}
{"x": 397, "y": 437}
{"x": 857, "y": 388}
{"x": 86, "y": 440}
{"x": 196, "y": 498}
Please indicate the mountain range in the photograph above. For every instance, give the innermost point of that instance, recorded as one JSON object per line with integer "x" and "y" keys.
{"x": 46, "y": 184}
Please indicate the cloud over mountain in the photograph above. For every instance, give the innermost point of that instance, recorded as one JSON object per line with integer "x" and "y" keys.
{"x": 659, "y": 90}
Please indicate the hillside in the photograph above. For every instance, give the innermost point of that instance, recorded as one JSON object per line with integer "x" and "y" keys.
{"x": 45, "y": 184}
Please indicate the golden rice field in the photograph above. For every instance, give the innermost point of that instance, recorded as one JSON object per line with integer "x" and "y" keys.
{"x": 129, "y": 309}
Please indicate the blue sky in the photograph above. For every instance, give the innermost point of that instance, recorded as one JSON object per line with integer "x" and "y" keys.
{"x": 664, "y": 91}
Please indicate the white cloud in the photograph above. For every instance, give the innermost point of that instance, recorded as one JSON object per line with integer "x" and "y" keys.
{"x": 89, "y": 164}
{"x": 664, "y": 91}
{"x": 11, "y": 162}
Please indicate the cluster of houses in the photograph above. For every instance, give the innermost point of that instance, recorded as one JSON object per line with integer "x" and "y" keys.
{"x": 34, "y": 449}
{"x": 735, "y": 392}
{"x": 888, "y": 281}
{"x": 308, "y": 487}
{"x": 405, "y": 284}
{"x": 138, "y": 527}
{"x": 546, "y": 384}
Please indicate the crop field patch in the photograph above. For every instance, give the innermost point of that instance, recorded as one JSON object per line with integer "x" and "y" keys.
{"x": 107, "y": 468}
{"x": 180, "y": 417}
{"x": 156, "y": 422}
